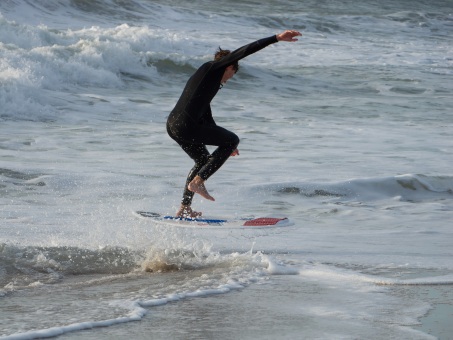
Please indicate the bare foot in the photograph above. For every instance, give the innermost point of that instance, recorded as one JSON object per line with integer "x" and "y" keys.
{"x": 197, "y": 186}
{"x": 187, "y": 212}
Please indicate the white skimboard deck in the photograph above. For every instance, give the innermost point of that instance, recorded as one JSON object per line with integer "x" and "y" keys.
{"x": 214, "y": 223}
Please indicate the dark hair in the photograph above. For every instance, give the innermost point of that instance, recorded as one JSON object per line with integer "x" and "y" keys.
{"x": 222, "y": 53}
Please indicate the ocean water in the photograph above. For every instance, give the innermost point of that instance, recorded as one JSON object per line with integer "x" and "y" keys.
{"x": 348, "y": 132}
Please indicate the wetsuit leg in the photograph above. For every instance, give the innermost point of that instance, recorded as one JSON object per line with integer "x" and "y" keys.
{"x": 205, "y": 164}
{"x": 216, "y": 160}
{"x": 226, "y": 142}
{"x": 200, "y": 155}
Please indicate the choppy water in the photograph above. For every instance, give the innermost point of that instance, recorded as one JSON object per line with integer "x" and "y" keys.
{"x": 348, "y": 132}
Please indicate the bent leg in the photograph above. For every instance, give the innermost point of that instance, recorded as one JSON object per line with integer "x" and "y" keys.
{"x": 193, "y": 141}
{"x": 226, "y": 141}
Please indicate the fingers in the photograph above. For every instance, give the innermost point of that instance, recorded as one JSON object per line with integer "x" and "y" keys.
{"x": 288, "y": 35}
{"x": 293, "y": 34}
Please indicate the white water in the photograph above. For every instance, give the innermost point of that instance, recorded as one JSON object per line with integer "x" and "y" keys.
{"x": 348, "y": 132}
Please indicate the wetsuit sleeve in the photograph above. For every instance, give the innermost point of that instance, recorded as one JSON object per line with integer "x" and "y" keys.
{"x": 245, "y": 51}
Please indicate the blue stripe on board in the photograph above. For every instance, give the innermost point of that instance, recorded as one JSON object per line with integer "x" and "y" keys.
{"x": 204, "y": 220}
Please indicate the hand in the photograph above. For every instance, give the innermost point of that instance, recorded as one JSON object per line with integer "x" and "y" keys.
{"x": 288, "y": 35}
{"x": 235, "y": 153}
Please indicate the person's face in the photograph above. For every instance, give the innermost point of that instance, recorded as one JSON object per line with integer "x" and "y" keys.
{"x": 229, "y": 73}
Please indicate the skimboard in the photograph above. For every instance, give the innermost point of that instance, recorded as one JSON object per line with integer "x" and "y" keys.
{"x": 212, "y": 223}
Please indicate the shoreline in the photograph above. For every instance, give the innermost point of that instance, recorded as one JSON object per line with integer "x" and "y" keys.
{"x": 438, "y": 320}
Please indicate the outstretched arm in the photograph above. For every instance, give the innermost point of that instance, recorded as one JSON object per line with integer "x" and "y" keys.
{"x": 288, "y": 35}
{"x": 244, "y": 51}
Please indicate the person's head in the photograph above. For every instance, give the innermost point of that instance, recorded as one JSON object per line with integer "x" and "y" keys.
{"x": 222, "y": 53}
{"x": 231, "y": 69}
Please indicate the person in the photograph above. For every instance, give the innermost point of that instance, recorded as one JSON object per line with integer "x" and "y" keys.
{"x": 192, "y": 126}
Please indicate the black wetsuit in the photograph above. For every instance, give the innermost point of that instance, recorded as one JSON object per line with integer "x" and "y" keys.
{"x": 191, "y": 125}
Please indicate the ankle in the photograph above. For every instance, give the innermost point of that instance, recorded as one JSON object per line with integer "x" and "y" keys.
{"x": 198, "y": 180}
{"x": 186, "y": 211}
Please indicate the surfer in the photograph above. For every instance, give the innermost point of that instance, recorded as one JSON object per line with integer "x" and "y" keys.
{"x": 191, "y": 125}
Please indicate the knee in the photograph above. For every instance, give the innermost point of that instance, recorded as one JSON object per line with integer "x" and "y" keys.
{"x": 234, "y": 140}
{"x": 229, "y": 141}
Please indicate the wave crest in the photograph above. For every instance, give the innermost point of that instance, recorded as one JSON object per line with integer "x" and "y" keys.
{"x": 412, "y": 188}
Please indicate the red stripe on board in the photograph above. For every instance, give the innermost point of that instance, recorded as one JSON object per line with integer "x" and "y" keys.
{"x": 264, "y": 221}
